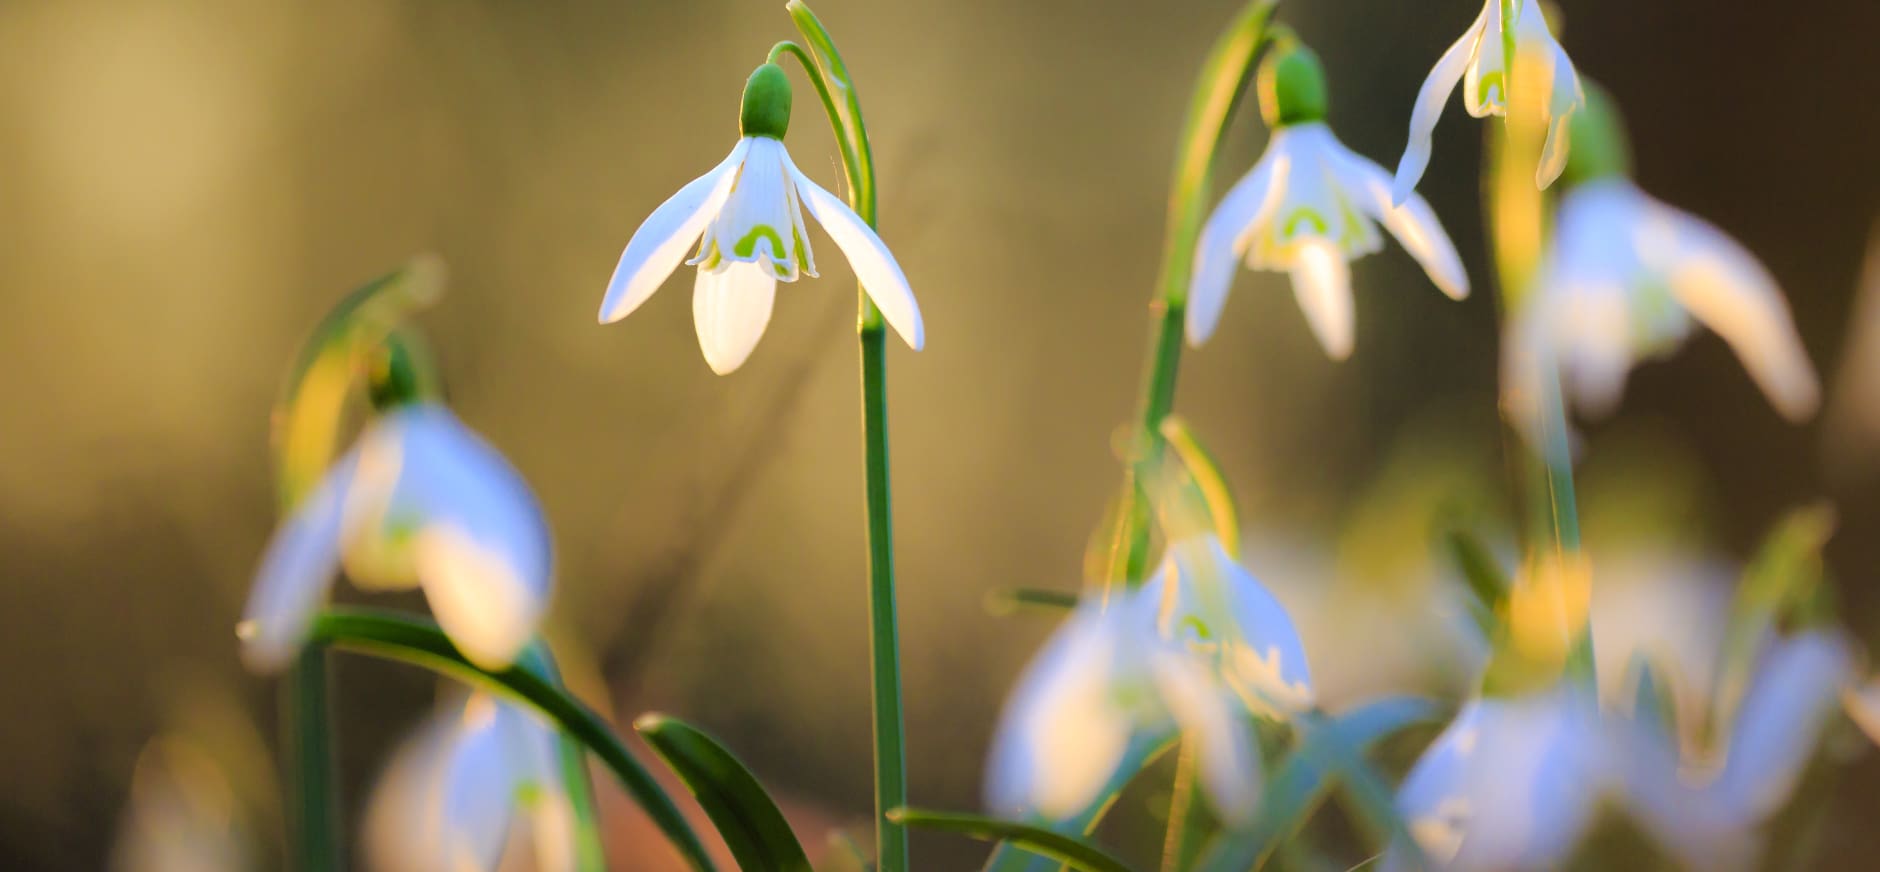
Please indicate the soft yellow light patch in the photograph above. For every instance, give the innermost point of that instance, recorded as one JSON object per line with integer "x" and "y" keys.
{"x": 1548, "y": 607}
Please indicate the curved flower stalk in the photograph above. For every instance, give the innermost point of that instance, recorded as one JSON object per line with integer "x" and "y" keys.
{"x": 747, "y": 215}
{"x": 473, "y": 774}
{"x": 1628, "y": 278}
{"x": 1308, "y": 207}
{"x": 1106, "y": 677}
{"x": 1708, "y": 806}
{"x": 1512, "y": 783}
{"x": 1508, "y": 35}
{"x": 420, "y": 500}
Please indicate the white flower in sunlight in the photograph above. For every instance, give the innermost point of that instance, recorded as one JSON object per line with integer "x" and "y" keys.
{"x": 1709, "y": 813}
{"x": 1105, "y": 681}
{"x": 1510, "y": 784}
{"x": 1627, "y": 278}
{"x": 458, "y": 787}
{"x": 1479, "y": 61}
{"x": 1308, "y": 207}
{"x": 747, "y": 215}
{"x": 1214, "y": 605}
{"x": 419, "y": 500}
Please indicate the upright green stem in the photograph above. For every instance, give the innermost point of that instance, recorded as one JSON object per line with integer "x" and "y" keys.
{"x": 314, "y": 827}
{"x": 824, "y": 66}
{"x": 1218, "y": 90}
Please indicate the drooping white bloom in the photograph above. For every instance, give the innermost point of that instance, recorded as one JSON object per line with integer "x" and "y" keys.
{"x": 1627, "y": 278}
{"x": 1510, "y": 784}
{"x": 458, "y": 788}
{"x": 418, "y": 501}
{"x": 1308, "y": 207}
{"x": 1107, "y": 677}
{"x": 1480, "y": 62}
{"x": 747, "y": 215}
{"x": 1215, "y": 606}
{"x": 1708, "y": 806}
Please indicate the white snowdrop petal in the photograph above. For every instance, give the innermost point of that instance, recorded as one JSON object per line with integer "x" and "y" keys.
{"x": 1485, "y": 79}
{"x": 404, "y": 819}
{"x": 1431, "y": 98}
{"x": 1796, "y": 687}
{"x": 1594, "y": 354}
{"x": 1227, "y": 759}
{"x": 1565, "y": 98}
{"x": 297, "y": 571}
{"x": 1218, "y": 249}
{"x": 1727, "y": 289}
{"x": 1407, "y": 217}
{"x": 1322, "y": 284}
{"x": 1062, "y": 734}
{"x": 479, "y": 790}
{"x": 730, "y": 309}
{"x": 481, "y": 600}
{"x": 869, "y": 257}
{"x": 660, "y": 243}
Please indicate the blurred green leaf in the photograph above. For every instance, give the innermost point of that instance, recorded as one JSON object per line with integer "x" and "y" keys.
{"x": 1329, "y": 750}
{"x": 1487, "y": 581}
{"x": 749, "y": 821}
{"x": 1070, "y": 850}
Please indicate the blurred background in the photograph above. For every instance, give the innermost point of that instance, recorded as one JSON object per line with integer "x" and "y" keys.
{"x": 189, "y": 185}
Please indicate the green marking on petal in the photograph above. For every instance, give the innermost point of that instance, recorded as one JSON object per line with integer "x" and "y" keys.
{"x": 1292, "y": 222}
{"x": 1490, "y": 84}
{"x": 747, "y": 246}
{"x": 1199, "y": 628}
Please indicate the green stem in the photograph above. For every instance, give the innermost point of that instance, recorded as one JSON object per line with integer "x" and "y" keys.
{"x": 314, "y": 823}
{"x": 1222, "y": 81}
{"x": 1182, "y": 841}
{"x": 823, "y": 64}
{"x": 421, "y": 643}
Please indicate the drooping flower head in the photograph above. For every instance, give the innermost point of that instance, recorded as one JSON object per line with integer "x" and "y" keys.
{"x": 476, "y": 773}
{"x": 1480, "y": 62}
{"x": 1105, "y": 683}
{"x": 1308, "y": 207}
{"x": 747, "y": 215}
{"x": 1628, "y": 278}
{"x": 420, "y": 500}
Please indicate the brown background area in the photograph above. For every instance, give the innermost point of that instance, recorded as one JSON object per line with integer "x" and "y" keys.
{"x": 187, "y": 186}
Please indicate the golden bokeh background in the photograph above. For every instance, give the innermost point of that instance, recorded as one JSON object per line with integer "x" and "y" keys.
{"x": 187, "y": 186}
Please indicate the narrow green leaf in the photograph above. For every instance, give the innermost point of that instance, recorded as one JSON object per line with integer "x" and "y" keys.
{"x": 1005, "y": 601}
{"x": 1480, "y": 570}
{"x": 419, "y": 642}
{"x": 1327, "y": 751}
{"x": 1070, "y": 850}
{"x": 749, "y": 821}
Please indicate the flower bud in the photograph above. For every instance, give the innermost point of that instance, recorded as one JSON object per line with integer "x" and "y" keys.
{"x": 766, "y": 110}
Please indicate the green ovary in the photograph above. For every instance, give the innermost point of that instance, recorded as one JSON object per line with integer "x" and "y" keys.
{"x": 1490, "y": 84}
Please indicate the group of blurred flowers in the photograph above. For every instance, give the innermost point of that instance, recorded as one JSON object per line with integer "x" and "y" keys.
{"x": 1596, "y": 684}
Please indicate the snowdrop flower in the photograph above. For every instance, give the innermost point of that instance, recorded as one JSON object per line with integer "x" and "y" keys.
{"x": 1217, "y": 607}
{"x": 1512, "y": 783}
{"x": 459, "y": 786}
{"x": 418, "y": 501}
{"x": 1105, "y": 680}
{"x": 747, "y": 215}
{"x": 1308, "y": 207}
{"x": 1709, "y": 813}
{"x": 1628, "y": 278}
{"x": 1480, "y": 62}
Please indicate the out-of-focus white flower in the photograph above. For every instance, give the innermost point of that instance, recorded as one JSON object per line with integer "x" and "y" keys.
{"x": 1709, "y": 815}
{"x": 1216, "y": 607}
{"x": 457, "y": 788}
{"x": 1105, "y": 678}
{"x": 1480, "y": 62}
{"x": 1308, "y": 207}
{"x": 1667, "y": 608}
{"x": 1511, "y": 784}
{"x": 1863, "y": 706}
{"x": 747, "y": 215}
{"x": 1626, "y": 279}
{"x": 419, "y": 500}
{"x": 183, "y": 814}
